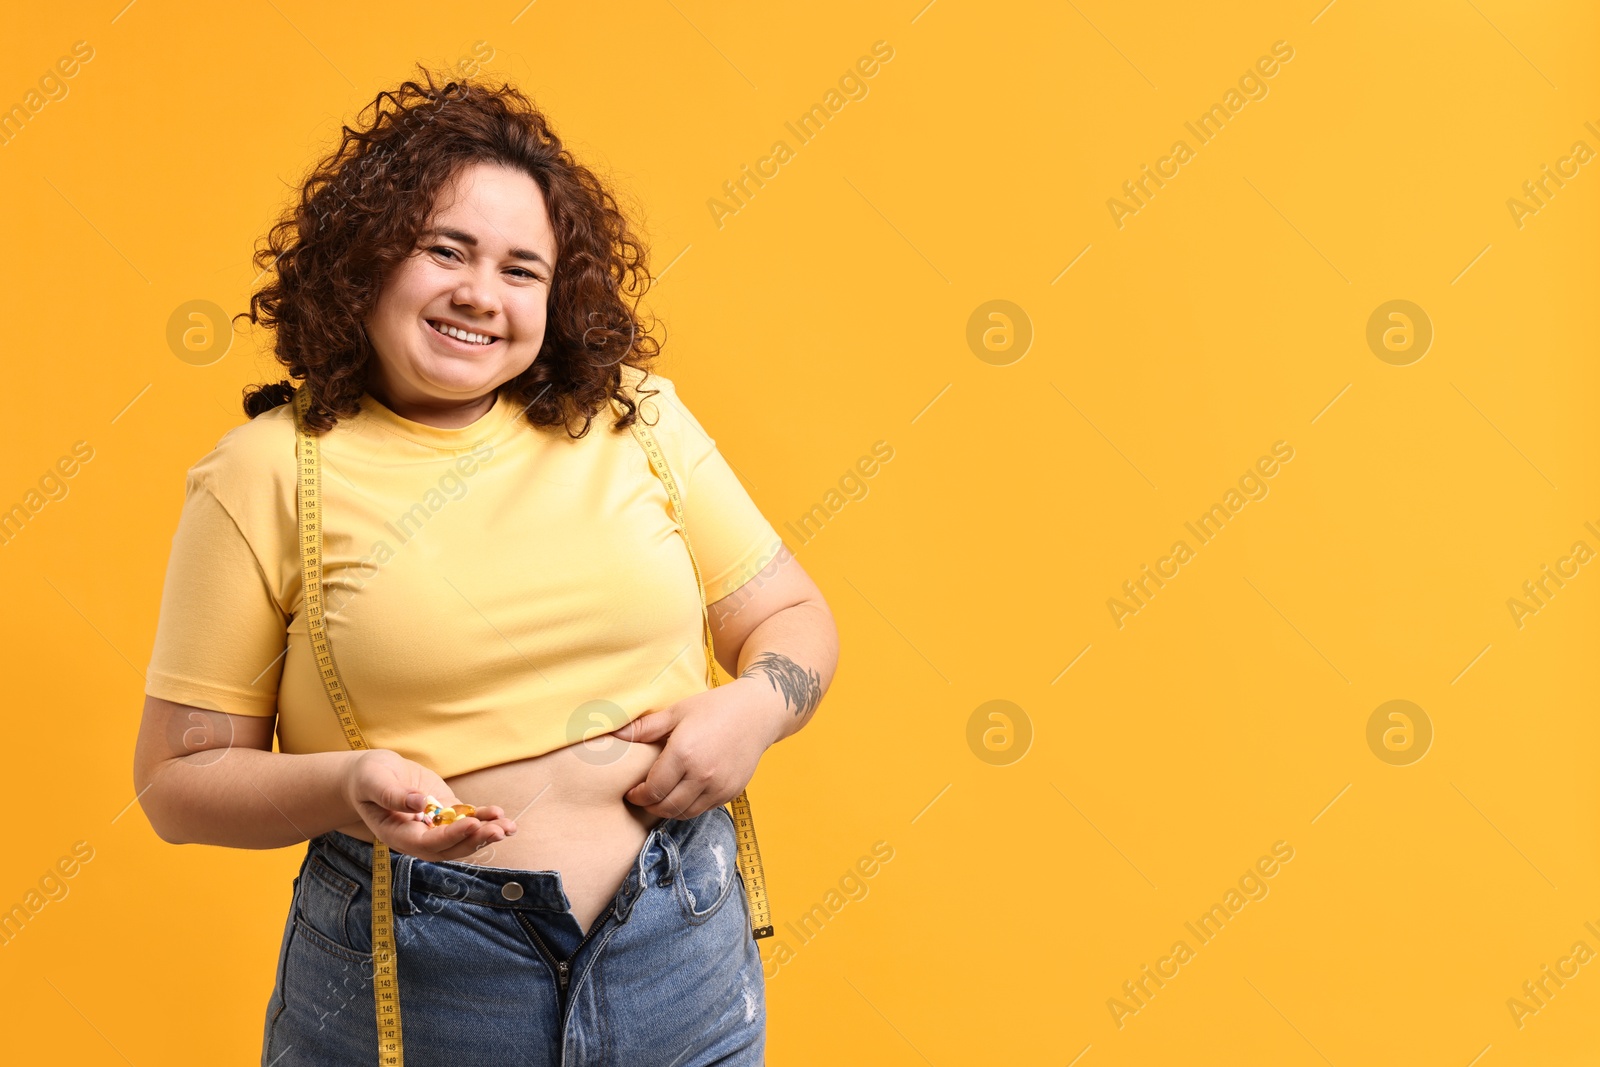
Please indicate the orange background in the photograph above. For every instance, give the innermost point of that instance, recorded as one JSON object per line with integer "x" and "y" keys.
{"x": 1043, "y": 858}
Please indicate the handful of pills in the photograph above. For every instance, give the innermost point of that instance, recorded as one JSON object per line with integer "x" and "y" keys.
{"x": 435, "y": 814}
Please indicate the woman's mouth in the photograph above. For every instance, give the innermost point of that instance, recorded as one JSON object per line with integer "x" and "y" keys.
{"x": 465, "y": 338}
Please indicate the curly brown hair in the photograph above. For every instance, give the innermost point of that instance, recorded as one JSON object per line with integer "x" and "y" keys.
{"x": 362, "y": 210}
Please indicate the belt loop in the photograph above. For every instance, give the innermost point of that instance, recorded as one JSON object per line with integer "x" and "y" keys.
{"x": 671, "y": 857}
{"x": 400, "y": 886}
{"x": 641, "y": 875}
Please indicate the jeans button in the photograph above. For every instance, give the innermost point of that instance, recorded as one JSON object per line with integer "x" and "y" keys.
{"x": 511, "y": 890}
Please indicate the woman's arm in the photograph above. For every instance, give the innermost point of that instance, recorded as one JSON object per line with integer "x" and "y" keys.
{"x": 778, "y": 633}
{"x": 209, "y": 778}
{"x": 777, "y": 637}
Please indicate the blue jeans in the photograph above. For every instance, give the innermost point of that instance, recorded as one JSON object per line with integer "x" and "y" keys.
{"x": 494, "y": 968}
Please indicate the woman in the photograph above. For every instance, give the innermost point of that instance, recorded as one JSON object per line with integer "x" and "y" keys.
{"x": 503, "y": 580}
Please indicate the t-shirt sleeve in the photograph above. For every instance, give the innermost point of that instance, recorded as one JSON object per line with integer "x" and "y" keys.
{"x": 731, "y": 538}
{"x": 221, "y": 636}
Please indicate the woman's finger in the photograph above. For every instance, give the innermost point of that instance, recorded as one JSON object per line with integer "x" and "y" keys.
{"x": 470, "y": 845}
{"x": 451, "y": 840}
{"x": 676, "y": 804}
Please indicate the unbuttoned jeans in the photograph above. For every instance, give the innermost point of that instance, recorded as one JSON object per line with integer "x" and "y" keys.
{"x": 494, "y": 968}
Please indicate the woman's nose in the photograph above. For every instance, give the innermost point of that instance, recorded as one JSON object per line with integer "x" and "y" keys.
{"x": 477, "y": 294}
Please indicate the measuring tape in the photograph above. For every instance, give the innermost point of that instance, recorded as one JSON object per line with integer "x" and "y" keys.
{"x": 744, "y": 824}
{"x": 385, "y": 980}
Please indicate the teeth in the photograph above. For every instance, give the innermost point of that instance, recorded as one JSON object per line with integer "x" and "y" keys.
{"x": 462, "y": 335}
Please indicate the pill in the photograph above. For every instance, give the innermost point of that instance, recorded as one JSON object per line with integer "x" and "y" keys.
{"x": 434, "y": 813}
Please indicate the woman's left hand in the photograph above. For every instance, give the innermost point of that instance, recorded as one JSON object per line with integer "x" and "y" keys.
{"x": 714, "y": 741}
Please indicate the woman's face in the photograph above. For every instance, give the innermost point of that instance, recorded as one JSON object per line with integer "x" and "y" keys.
{"x": 484, "y": 266}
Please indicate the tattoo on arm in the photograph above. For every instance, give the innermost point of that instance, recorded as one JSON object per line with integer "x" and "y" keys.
{"x": 801, "y": 688}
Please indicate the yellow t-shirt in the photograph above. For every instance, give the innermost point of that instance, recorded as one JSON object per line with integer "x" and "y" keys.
{"x": 493, "y": 591}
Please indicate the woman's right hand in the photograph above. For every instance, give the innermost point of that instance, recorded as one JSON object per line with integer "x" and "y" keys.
{"x": 387, "y": 791}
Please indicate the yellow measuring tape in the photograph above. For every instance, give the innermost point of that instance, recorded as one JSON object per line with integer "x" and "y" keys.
{"x": 744, "y": 824}
{"x": 385, "y": 980}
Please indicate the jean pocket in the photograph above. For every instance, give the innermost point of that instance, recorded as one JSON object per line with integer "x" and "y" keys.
{"x": 306, "y": 934}
{"x": 333, "y": 906}
{"x": 707, "y": 865}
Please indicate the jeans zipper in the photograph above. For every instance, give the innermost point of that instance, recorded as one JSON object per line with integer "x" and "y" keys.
{"x": 563, "y": 968}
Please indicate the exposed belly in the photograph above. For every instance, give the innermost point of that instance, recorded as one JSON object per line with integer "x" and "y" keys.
{"x": 570, "y": 814}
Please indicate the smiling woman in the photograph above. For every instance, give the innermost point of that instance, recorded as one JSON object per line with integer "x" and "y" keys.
{"x": 468, "y": 311}
{"x": 470, "y": 301}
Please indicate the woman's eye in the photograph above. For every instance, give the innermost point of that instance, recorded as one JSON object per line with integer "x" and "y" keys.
{"x": 520, "y": 270}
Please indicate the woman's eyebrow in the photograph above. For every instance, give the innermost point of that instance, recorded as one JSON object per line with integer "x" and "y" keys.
{"x": 468, "y": 239}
